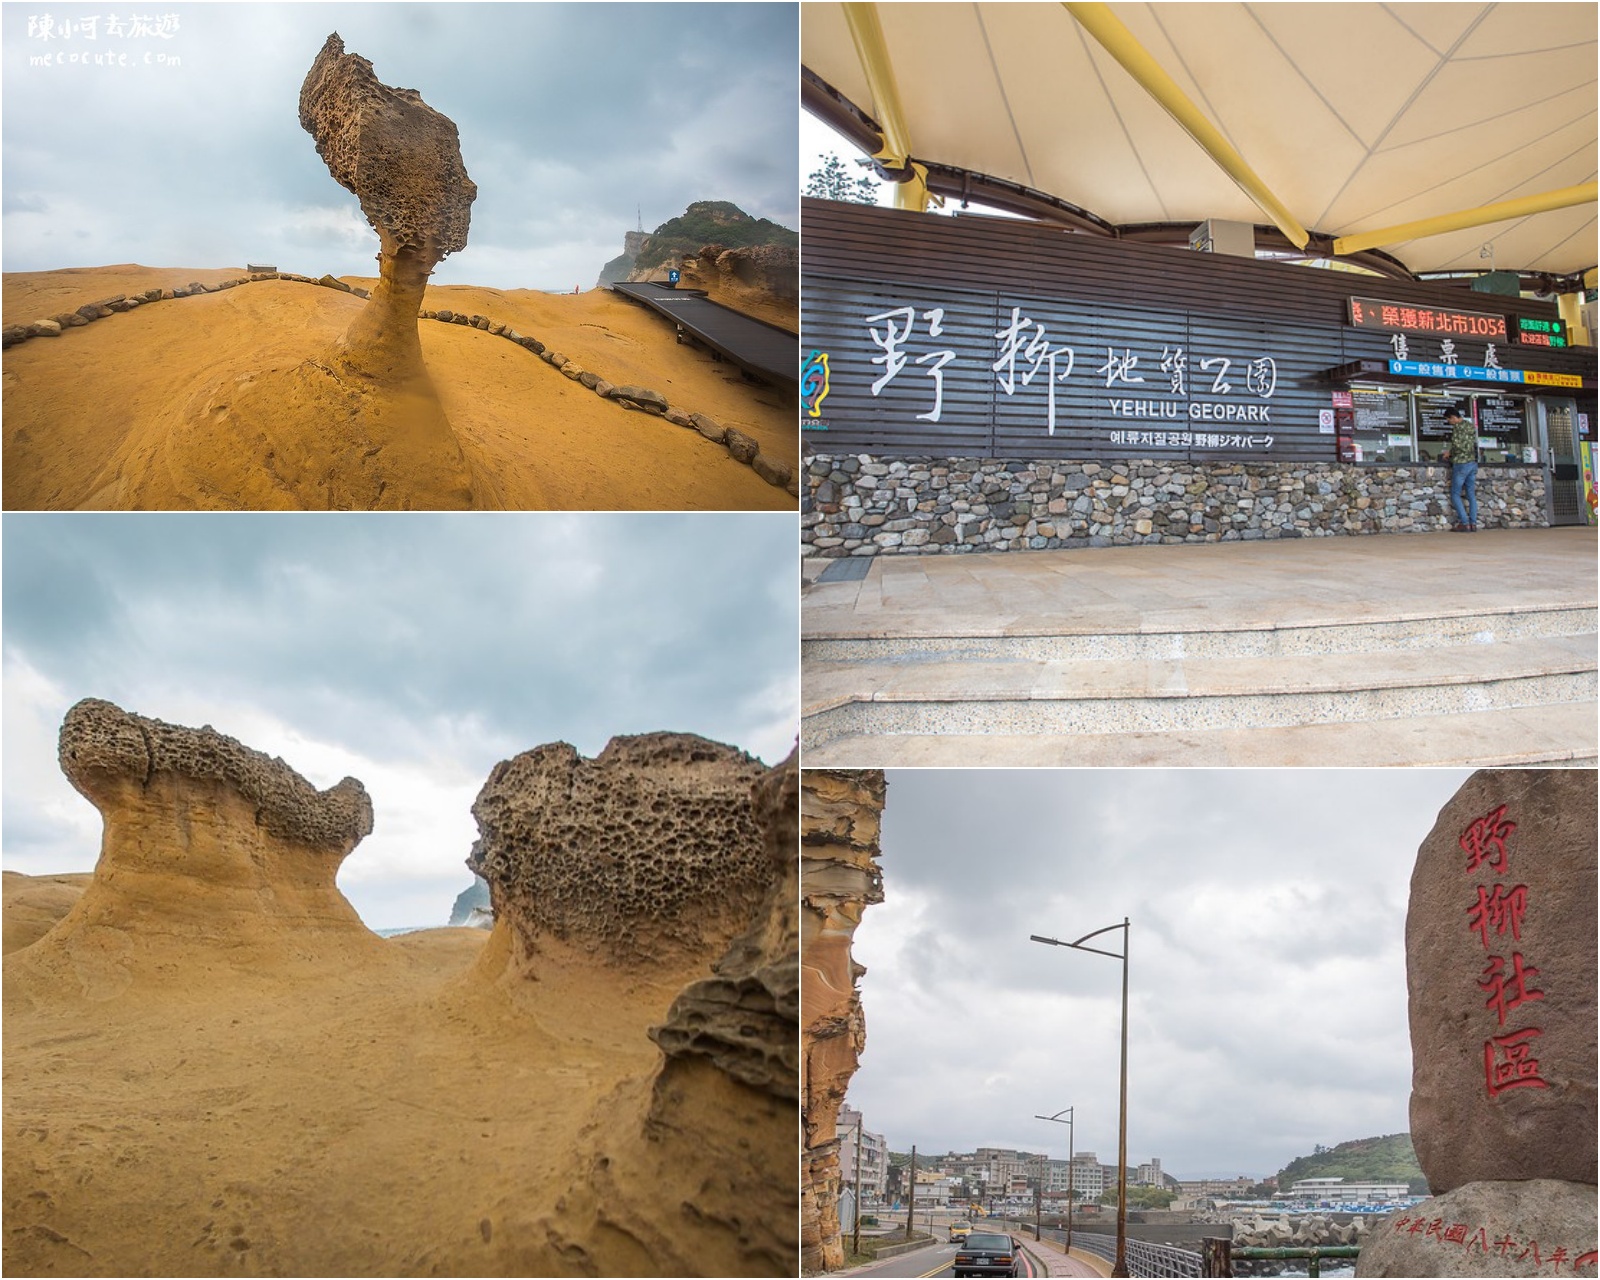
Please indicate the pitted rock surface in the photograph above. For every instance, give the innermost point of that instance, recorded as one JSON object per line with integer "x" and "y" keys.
{"x": 99, "y": 740}
{"x": 400, "y": 157}
{"x": 1501, "y": 973}
{"x": 746, "y": 1018}
{"x": 650, "y": 845}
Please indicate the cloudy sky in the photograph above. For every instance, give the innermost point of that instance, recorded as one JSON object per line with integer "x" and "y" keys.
{"x": 411, "y": 651}
{"x": 571, "y": 116}
{"x": 1267, "y": 1008}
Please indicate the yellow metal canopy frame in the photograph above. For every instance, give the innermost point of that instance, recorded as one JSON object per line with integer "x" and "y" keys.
{"x": 867, "y": 32}
{"x": 1118, "y": 41}
{"x": 1483, "y": 215}
{"x": 1345, "y": 126}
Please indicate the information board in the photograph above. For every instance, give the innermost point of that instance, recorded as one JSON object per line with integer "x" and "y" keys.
{"x": 1502, "y": 416}
{"x": 1430, "y": 415}
{"x": 1372, "y": 410}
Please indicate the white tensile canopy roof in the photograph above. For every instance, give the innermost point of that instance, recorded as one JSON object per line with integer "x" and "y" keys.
{"x": 1356, "y": 116}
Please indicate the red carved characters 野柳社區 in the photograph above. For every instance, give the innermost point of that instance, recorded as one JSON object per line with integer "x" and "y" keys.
{"x": 1508, "y": 1057}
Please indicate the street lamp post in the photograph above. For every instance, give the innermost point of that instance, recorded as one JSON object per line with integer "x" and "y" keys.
{"x": 1070, "y": 1134}
{"x": 1120, "y": 1266}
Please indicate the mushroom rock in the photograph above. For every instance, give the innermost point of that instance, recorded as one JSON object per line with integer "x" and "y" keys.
{"x": 402, "y": 160}
{"x": 361, "y": 425}
{"x": 646, "y": 857}
{"x": 211, "y": 854}
{"x": 841, "y": 812}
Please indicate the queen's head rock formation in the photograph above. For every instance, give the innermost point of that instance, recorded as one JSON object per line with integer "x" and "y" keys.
{"x": 648, "y": 853}
{"x": 359, "y": 424}
{"x": 402, "y": 160}
{"x": 841, "y": 812}
{"x": 206, "y": 845}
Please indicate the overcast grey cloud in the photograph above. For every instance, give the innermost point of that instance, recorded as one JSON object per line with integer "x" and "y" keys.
{"x": 189, "y": 152}
{"x": 410, "y": 651}
{"x": 1267, "y": 967}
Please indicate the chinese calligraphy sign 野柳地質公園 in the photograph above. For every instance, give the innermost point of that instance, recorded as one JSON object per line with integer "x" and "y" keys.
{"x": 1510, "y": 1059}
{"x": 1029, "y": 358}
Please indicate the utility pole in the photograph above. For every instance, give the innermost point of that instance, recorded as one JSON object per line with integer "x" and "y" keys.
{"x": 855, "y": 1245}
{"x": 911, "y": 1195}
{"x": 1038, "y": 1196}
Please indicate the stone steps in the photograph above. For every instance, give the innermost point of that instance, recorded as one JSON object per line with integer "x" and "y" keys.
{"x": 1236, "y": 640}
{"x": 1516, "y": 736}
{"x": 1461, "y": 688}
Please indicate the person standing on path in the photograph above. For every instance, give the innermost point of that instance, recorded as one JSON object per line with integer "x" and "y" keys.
{"x": 1462, "y": 453}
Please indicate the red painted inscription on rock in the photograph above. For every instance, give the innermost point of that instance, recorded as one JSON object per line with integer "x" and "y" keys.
{"x": 1485, "y": 838}
{"x": 1508, "y": 1061}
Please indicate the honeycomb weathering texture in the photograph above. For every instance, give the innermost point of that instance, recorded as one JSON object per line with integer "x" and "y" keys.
{"x": 99, "y": 738}
{"x": 652, "y": 843}
{"x": 400, "y": 157}
{"x": 746, "y": 1018}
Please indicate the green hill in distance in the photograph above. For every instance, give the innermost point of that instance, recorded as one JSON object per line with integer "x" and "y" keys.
{"x": 1386, "y": 1159}
{"x": 711, "y": 222}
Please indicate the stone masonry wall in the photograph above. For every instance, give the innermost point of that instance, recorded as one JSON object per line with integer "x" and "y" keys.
{"x": 859, "y": 505}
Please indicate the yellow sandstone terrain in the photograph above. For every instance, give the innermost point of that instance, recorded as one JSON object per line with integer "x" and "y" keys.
{"x": 212, "y": 402}
{"x": 213, "y": 1068}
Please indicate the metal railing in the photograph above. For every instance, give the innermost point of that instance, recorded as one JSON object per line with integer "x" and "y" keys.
{"x": 1221, "y": 1254}
{"x": 1142, "y": 1257}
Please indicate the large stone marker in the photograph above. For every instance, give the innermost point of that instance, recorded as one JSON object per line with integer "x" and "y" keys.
{"x": 1501, "y": 970}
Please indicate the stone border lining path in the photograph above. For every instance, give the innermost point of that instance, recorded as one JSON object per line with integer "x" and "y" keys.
{"x": 740, "y": 447}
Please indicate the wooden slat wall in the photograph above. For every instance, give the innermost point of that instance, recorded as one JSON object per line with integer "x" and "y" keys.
{"x": 1101, "y": 298}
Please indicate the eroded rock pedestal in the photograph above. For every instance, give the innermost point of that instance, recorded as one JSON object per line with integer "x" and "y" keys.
{"x": 209, "y": 848}
{"x": 1501, "y": 970}
{"x": 840, "y": 816}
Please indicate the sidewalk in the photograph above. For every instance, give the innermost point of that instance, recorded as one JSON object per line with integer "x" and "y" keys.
{"x": 1213, "y": 586}
{"x": 1056, "y": 1262}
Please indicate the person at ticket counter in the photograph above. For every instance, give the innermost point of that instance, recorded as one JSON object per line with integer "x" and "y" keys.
{"x": 1462, "y": 454}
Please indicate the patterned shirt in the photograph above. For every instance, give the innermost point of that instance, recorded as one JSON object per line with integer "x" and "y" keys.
{"x": 1463, "y": 442}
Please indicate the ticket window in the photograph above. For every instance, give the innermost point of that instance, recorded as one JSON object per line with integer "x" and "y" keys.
{"x": 1382, "y": 425}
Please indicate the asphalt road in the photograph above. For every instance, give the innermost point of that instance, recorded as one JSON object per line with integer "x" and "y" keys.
{"x": 935, "y": 1260}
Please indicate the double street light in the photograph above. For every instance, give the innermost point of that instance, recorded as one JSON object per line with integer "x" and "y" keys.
{"x": 1070, "y": 1133}
{"x": 1120, "y": 1266}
